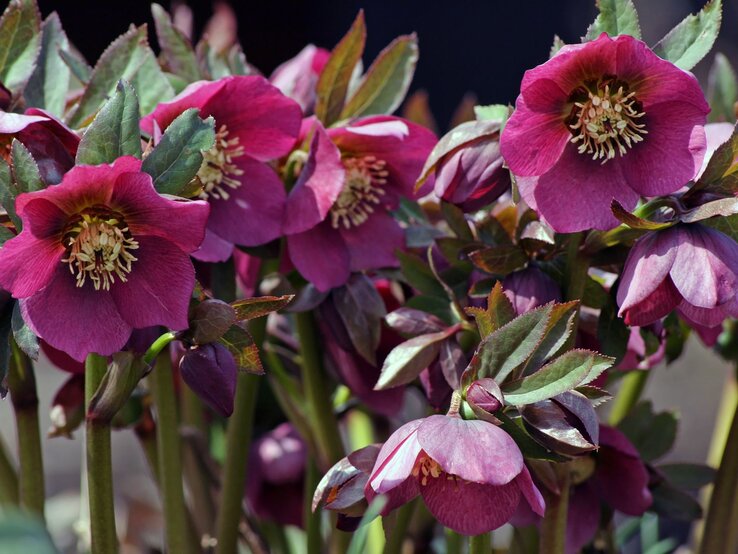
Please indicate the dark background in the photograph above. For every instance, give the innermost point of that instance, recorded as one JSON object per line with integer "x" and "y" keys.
{"x": 480, "y": 46}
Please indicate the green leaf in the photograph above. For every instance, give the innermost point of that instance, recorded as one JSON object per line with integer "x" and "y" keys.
{"x": 178, "y": 156}
{"x": 241, "y": 345}
{"x": 77, "y": 65}
{"x": 20, "y": 42}
{"x": 492, "y": 112}
{"x": 510, "y": 346}
{"x": 151, "y": 84}
{"x": 334, "y": 79}
{"x": 419, "y": 275}
{"x": 499, "y": 260}
{"x": 675, "y": 504}
{"x": 633, "y": 221}
{"x": 616, "y": 17}
{"x": 688, "y": 476}
{"x": 176, "y": 49}
{"x": 8, "y": 194}
{"x": 576, "y": 367}
{"x": 558, "y": 329}
{"x": 210, "y": 320}
{"x": 691, "y": 40}
{"x": 22, "y": 534}
{"x": 499, "y": 312}
{"x": 527, "y": 444}
{"x": 652, "y": 434}
{"x": 405, "y": 361}
{"x": 25, "y": 171}
{"x": 722, "y": 90}
{"x": 456, "y": 220}
{"x": 557, "y": 45}
{"x": 24, "y": 337}
{"x": 361, "y": 309}
{"x": 114, "y": 132}
{"x": 385, "y": 84}
{"x": 120, "y": 60}
{"x": 251, "y": 308}
{"x": 359, "y": 538}
{"x": 612, "y": 332}
{"x": 48, "y": 86}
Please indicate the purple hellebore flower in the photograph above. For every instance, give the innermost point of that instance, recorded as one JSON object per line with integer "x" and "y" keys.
{"x": 601, "y": 120}
{"x": 337, "y": 215}
{"x": 529, "y": 288}
{"x": 692, "y": 268}
{"x": 637, "y": 355}
{"x": 298, "y": 77}
{"x": 52, "y": 144}
{"x": 211, "y": 372}
{"x": 255, "y": 123}
{"x": 101, "y": 254}
{"x": 470, "y": 474}
{"x": 275, "y": 483}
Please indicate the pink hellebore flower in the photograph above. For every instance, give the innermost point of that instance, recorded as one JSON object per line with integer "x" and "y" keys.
{"x": 692, "y": 268}
{"x": 470, "y": 474}
{"x": 337, "y": 218}
{"x": 101, "y": 254}
{"x": 254, "y": 124}
{"x": 601, "y": 120}
{"x": 529, "y": 288}
{"x": 298, "y": 77}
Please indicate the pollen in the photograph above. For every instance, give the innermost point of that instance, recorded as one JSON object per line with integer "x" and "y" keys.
{"x": 99, "y": 248}
{"x": 218, "y": 173}
{"x": 606, "y": 122}
{"x": 363, "y": 190}
{"x": 425, "y": 468}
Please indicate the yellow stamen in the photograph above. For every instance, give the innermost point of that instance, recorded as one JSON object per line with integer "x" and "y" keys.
{"x": 362, "y": 191}
{"x": 426, "y": 467}
{"x": 218, "y": 173}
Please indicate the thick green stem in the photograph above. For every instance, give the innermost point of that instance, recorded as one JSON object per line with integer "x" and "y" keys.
{"x": 319, "y": 405}
{"x": 399, "y": 532}
{"x": 314, "y": 540}
{"x": 170, "y": 457}
{"x": 454, "y": 542}
{"x": 553, "y": 528}
{"x": 8, "y": 478}
{"x": 480, "y": 544}
{"x": 99, "y": 465}
{"x": 721, "y": 532}
{"x": 238, "y": 439}
{"x": 22, "y": 385}
{"x": 628, "y": 395}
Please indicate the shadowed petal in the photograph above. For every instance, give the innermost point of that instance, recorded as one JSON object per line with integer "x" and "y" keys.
{"x": 321, "y": 256}
{"x": 366, "y": 251}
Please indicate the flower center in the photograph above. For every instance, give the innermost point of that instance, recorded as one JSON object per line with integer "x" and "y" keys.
{"x": 365, "y": 179}
{"x": 426, "y": 467}
{"x": 605, "y": 122}
{"x": 99, "y": 247}
{"x": 218, "y": 173}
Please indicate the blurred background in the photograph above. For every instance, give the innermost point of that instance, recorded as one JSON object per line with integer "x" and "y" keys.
{"x": 473, "y": 47}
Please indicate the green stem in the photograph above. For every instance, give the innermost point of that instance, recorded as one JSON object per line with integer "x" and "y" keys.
{"x": 577, "y": 265}
{"x": 314, "y": 539}
{"x": 99, "y": 464}
{"x": 22, "y": 385}
{"x": 630, "y": 392}
{"x": 157, "y": 346}
{"x": 480, "y": 544}
{"x": 553, "y": 528}
{"x": 454, "y": 542}
{"x": 170, "y": 456}
{"x": 721, "y": 532}
{"x": 319, "y": 405}
{"x": 8, "y": 478}
{"x": 238, "y": 439}
{"x": 399, "y": 532}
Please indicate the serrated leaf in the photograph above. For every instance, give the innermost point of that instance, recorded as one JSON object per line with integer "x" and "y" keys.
{"x": 499, "y": 312}
{"x": 26, "y": 175}
{"x": 120, "y": 60}
{"x": 616, "y": 17}
{"x": 405, "y": 362}
{"x": 8, "y": 194}
{"x": 26, "y": 339}
{"x": 361, "y": 310}
{"x": 499, "y": 260}
{"x": 20, "y": 42}
{"x": 251, "y": 308}
{"x": 151, "y": 84}
{"x": 387, "y": 80}
{"x": 334, "y": 79}
{"x": 79, "y": 67}
{"x": 174, "y": 162}
{"x": 558, "y": 329}
{"x": 690, "y": 41}
{"x": 510, "y": 346}
{"x": 557, "y": 45}
{"x": 576, "y": 367}
{"x": 176, "y": 49}
{"x": 114, "y": 132}
{"x": 47, "y": 88}
{"x": 722, "y": 90}
{"x": 241, "y": 345}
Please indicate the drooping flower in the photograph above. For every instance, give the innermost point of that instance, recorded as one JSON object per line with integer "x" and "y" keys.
{"x": 641, "y": 354}
{"x": 470, "y": 474}
{"x": 601, "y": 120}
{"x": 298, "y": 77}
{"x": 690, "y": 268}
{"x": 211, "y": 372}
{"x": 101, "y": 254}
{"x": 52, "y": 144}
{"x": 275, "y": 485}
{"x": 529, "y": 288}
{"x": 337, "y": 216}
{"x": 255, "y": 123}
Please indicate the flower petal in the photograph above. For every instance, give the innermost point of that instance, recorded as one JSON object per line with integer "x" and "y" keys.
{"x": 365, "y": 250}
{"x": 213, "y": 248}
{"x": 28, "y": 264}
{"x": 321, "y": 256}
{"x": 396, "y": 458}
{"x": 530, "y": 492}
